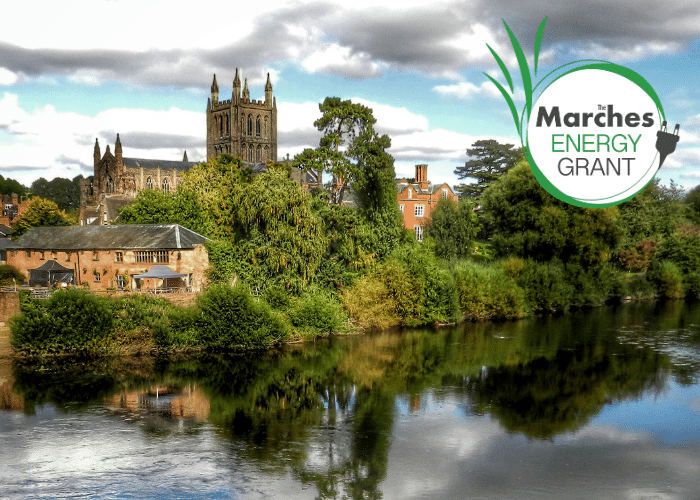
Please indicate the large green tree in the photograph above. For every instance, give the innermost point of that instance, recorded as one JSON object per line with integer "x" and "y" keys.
{"x": 489, "y": 160}
{"x": 9, "y": 186}
{"x": 453, "y": 227}
{"x": 529, "y": 222}
{"x": 64, "y": 192}
{"x": 40, "y": 213}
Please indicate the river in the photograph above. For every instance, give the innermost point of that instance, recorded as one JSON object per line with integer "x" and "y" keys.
{"x": 597, "y": 404}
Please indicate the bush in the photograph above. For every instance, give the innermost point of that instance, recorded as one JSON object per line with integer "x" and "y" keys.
{"x": 317, "y": 313}
{"x": 668, "y": 280}
{"x": 71, "y": 320}
{"x": 488, "y": 293}
{"x": 8, "y": 273}
{"x": 232, "y": 319}
{"x": 181, "y": 328}
{"x": 546, "y": 287}
{"x": 369, "y": 303}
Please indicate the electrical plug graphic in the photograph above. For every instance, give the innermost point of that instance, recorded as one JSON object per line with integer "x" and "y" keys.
{"x": 666, "y": 142}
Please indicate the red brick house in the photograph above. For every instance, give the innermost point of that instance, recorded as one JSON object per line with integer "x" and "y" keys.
{"x": 12, "y": 208}
{"x": 418, "y": 199}
{"x": 106, "y": 257}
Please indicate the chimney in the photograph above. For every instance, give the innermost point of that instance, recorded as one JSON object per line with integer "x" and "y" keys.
{"x": 422, "y": 176}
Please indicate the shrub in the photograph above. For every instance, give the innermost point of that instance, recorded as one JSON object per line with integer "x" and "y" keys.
{"x": 546, "y": 287}
{"x": 317, "y": 313}
{"x": 488, "y": 293}
{"x": 8, "y": 273}
{"x": 69, "y": 320}
{"x": 232, "y": 319}
{"x": 369, "y": 303}
{"x": 668, "y": 279}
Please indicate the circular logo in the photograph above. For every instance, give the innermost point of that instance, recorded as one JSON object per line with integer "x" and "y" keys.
{"x": 591, "y": 135}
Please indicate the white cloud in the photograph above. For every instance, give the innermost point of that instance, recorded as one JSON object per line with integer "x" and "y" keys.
{"x": 335, "y": 59}
{"x": 7, "y": 77}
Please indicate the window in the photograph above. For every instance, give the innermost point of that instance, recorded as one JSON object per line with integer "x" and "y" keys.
{"x": 118, "y": 257}
{"x": 410, "y": 193}
{"x": 257, "y": 127}
{"x": 156, "y": 256}
{"x": 119, "y": 281}
{"x": 250, "y": 124}
{"x": 41, "y": 257}
{"x": 29, "y": 253}
{"x": 95, "y": 256}
{"x": 401, "y": 207}
{"x": 419, "y": 233}
{"x": 67, "y": 256}
{"x": 166, "y": 189}
{"x": 149, "y": 183}
{"x": 444, "y": 193}
{"x": 97, "y": 277}
{"x": 419, "y": 210}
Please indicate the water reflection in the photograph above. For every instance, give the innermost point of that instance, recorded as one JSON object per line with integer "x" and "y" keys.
{"x": 332, "y": 416}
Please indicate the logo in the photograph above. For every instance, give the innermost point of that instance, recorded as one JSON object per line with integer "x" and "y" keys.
{"x": 593, "y": 131}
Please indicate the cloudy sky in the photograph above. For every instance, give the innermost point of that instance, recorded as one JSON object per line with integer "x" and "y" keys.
{"x": 76, "y": 70}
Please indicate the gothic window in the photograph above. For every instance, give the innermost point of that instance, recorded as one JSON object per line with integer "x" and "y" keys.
{"x": 242, "y": 125}
{"x": 165, "y": 185}
{"x": 221, "y": 126}
{"x": 265, "y": 127}
{"x": 109, "y": 188}
{"x": 250, "y": 124}
{"x": 149, "y": 183}
{"x": 250, "y": 153}
{"x": 258, "y": 152}
{"x": 266, "y": 153}
{"x": 257, "y": 127}
{"x": 228, "y": 129}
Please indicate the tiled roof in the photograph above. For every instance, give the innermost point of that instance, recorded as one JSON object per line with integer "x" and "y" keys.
{"x": 163, "y": 164}
{"x": 127, "y": 236}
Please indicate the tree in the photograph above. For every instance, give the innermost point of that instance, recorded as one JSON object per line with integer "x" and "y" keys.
{"x": 490, "y": 160}
{"x": 341, "y": 123}
{"x": 9, "y": 186}
{"x": 453, "y": 227}
{"x": 529, "y": 222}
{"x": 40, "y": 213}
{"x": 65, "y": 192}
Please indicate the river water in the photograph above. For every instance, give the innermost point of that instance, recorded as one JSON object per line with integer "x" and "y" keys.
{"x": 599, "y": 404}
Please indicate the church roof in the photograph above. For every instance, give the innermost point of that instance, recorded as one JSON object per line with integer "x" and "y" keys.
{"x": 163, "y": 164}
{"x": 122, "y": 237}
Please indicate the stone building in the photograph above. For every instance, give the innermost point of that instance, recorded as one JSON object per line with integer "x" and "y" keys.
{"x": 241, "y": 127}
{"x": 110, "y": 256}
{"x": 418, "y": 198}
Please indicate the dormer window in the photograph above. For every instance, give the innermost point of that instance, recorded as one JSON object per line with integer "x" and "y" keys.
{"x": 410, "y": 193}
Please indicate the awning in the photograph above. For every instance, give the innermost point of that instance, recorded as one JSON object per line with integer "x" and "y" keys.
{"x": 160, "y": 272}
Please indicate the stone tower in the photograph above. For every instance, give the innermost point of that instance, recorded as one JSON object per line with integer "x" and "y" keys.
{"x": 240, "y": 126}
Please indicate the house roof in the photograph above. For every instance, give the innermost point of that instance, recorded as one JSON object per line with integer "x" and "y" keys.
{"x": 5, "y": 230}
{"x": 122, "y": 237}
{"x": 163, "y": 164}
{"x": 7, "y": 243}
{"x": 401, "y": 186}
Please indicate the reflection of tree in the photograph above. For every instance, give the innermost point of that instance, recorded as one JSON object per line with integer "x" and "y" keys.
{"x": 544, "y": 397}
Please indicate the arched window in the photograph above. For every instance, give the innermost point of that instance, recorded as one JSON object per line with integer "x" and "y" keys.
{"x": 149, "y": 183}
{"x": 221, "y": 126}
{"x": 109, "y": 187}
{"x": 166, "y": 188}
{"x": 257, "y": 126}
{"x": 265, "y": 127}
{"x": 250, "y": 124}
{"x": 258, "y": 152}
{"x": 250, "y": 153}
{"x": 242, "y": 125}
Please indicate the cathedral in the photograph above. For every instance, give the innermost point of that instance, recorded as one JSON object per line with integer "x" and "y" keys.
{"x": 240, "y": 126}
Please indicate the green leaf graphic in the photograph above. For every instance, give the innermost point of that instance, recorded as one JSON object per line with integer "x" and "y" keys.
{"x": 509, "y": 100}
{"x": 538, "y": 41}
{"x": 505, "y": 71}
{"x": 524, "y": 69}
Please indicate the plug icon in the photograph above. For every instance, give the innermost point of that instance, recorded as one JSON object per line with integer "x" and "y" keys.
{"x": 666, "y": 142}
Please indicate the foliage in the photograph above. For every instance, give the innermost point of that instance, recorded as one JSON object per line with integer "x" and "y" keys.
{"x": 490, "y": 160}
{"x": 10, "y": 186}
{"x": 638, "y": 258}
{"x": 39, "y": 213}
{"x": 64, "y": 192}
{"x": 453, "y": 227}
{"x": 528, "y": 222}
{"x": 546, "y": 287}
{"x": 668, "y": 280}
{"x": 232, "y": 319}
{"x": 157, "y": 207}
{"x": 488, "y": 293}
{"x": 317, "y": 313}
{"x": 70, "y": 320}
{"x": 11, "y": 276}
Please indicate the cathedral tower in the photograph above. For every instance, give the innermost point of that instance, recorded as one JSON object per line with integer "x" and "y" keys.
{"x": 240, "y": 126}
